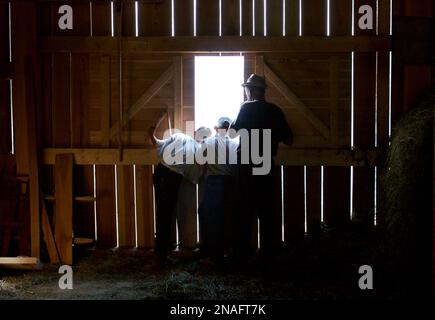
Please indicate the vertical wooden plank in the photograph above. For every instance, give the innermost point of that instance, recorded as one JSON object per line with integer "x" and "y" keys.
{"x": 106, "y": 215}
{"x": 313, "y": 200}
{"x": 336, "y": 180}
{"x": 258, "y": 7}
{"x": 334, "y": 101}
{"x": 24, "y": 102}
{"x": 105, "y": 175}
{"x": 340, "y": 17}
{"x": 177, "y": 80}
{"x": 313, "y": 24}
{"x": 186, "y": 213}
{"x": 155, "y": 19}
{"x": 336, "y": 199}
{"x": 294, "y": 207}
{"x": 230, "y": 17}
{"x": 207, "y": 18}
{"x": 383, "y": 95}
{"x": 61, "y": 100}
{"x": 186, "y": 210}
{"x": 101, "y": 18}
{"x": 48, "y": 235}
{"x": 128, "y": 19}
{"x": 5, "y": 115}
{"x": 291, "y": 17}
{"x": 126, "y": 209}
{"x": 83, "y": 219}
{"x": 364, "y": 123}
{"x": 144, "y": 207}
{"x": 183, "y": 17}
{"x": 274, "y": 18}
{"x": 314, "y": 17}
{"x": 64, "y": 206}
{"x": 247, "y": 17}
{"x": 5, "y": 118}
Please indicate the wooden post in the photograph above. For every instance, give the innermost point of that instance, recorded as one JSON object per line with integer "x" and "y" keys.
{"x": 126, "y": 210}
{"x": 144, "y": 207}
{"x": 26, "y": 146}
{"x": 64, "y": 206}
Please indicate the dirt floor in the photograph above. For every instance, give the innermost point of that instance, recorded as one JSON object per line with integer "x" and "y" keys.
{"x": 324, "y": 268}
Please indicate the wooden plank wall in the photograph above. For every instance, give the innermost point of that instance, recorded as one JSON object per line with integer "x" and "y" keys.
{"x": 81, "y": 102}
{"x": 5, "y": 107}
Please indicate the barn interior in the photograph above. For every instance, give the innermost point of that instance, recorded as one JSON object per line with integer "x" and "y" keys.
{"x": 76, "y": 161}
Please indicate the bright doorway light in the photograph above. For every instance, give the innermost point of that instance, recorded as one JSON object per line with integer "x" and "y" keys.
{"x": 218, "y": 90}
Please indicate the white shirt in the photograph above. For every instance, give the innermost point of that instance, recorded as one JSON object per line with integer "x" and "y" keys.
{"x": 224, "y": 155}
{"x": 178, "y": 153}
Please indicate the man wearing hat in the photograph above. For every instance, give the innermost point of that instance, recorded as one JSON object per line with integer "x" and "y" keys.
{"x": 257, "y": 191}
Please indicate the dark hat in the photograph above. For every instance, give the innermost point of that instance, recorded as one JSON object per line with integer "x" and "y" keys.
{"x": 255, "y": 81}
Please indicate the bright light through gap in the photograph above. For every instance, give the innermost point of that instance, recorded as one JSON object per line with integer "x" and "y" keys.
{"x": 218, "y": 90}
{"x": 136, "y": 18}
{"x": 111, "y": 19}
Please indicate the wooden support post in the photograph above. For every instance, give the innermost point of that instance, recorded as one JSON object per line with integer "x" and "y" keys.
{"x": 48, "y": 235}
{"x": 186, "y": 214}
{"x": 63, "y": 232}
{"x": 294, "y": 215}
{"x": 25, "y": 97}
{"x": 105, "y": 175}
{"x": 313, "y": 188}
{"x": 144, "y": 206}
{"x": 126, "y": 210}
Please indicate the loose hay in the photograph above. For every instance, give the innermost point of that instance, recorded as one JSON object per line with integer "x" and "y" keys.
{"x": 407, "y": 188}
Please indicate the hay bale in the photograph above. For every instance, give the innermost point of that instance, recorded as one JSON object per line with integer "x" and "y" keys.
{"x": 407, "y": 188}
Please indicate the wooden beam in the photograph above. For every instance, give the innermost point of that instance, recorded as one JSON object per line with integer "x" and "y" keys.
{"x": 6, "y": 70}
{"x": 286, "y": 156}
{"x": 22, "y": 263}
{"x": 204, "y": 44}
{"x": 144, "y": 99}
{"x": 64, "y": 205}
{"x": 295, "y": 101}
{"x": 48, "y": 235}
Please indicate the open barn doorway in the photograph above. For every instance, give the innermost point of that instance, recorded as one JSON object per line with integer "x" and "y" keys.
{"x": 218, "y": 90}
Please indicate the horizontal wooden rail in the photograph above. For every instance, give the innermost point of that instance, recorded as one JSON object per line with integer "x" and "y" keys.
{"x": 286, "y": 156}
{"x": 217, "y": 44}
{"x": 77, "y": 199}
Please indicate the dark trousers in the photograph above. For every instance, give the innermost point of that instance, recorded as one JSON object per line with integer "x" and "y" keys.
{"x": 215, "y": 205}
{"x": 166, "y": 185}
{"x": 256, "y": 200}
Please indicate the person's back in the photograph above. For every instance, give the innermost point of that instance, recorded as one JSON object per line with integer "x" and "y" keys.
{"x": 260, "y": 114}
{"x": 257, "y": 191}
